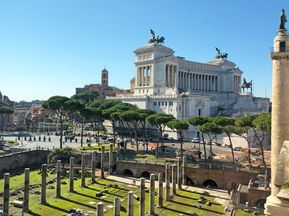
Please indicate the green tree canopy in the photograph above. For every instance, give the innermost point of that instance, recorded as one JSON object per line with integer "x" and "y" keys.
{"x": 179, "y": 127}
{"x": 62, "y": 108}
{"x": 159, "y": 120}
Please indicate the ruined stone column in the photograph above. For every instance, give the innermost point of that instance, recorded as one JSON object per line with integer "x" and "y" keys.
{"x": 167, "y": 182}
{"x": 102, "y": 163}
{"x": 160, "y": 190}
{"x": 43, "y": 184}
{"x": 58, "y": 179}
{"x": 179, "y": 174}
{"x": 93, "y": 156}
{"x": 142, "y": 197}
{"x": 110, "y": 159}
{"x": 71, "y": 175}
{"x": 130, "y": 204}
{"x": 99, "y": 209}
{"x": 184, "y": 170}
{"x": 152, "y": 195}
{"x": 6, "y": 194}
{"x": 26, "y": 190}
{"x": 82, "y": 170}
{"x": 174, "y": 191}
{"x": 116, "y": 211}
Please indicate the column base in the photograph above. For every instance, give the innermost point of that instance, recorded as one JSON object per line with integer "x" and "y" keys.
{"x": 275, "y": 206}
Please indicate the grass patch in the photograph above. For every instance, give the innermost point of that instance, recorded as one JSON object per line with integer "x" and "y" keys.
{"x": 86, "y": 199}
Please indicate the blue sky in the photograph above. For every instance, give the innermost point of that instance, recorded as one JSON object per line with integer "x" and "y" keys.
{"x": 50, "y": 47}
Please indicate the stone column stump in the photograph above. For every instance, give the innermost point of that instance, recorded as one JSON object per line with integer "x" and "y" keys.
{"x": 6, "y": 194}
{"x": 160, "y": 190}
{"x": 130, "y": 204}
{"x": 26, "y": 190}
{"x": 71, "y": 174}
{"x": 43, "y": 184}
{"x": 142, "y": 197}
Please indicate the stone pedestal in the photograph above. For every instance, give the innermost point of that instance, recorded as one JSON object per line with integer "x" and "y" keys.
{"x": 26, "y": 190}
{"x": 160, "y": 190}
{"x": 71, "y": 174}
{"x": 142, "y": 198}
{"x": 82, "y": 184}
{"x": 278, "y": 205}
{"x": 102, "y": 163}
{"x": 58, "y": 179}
{"x": 93, "y": 157}
{"x": 6, "y": 194}
{"x": 152, "y": 195}
{"x": 43, "y": 184}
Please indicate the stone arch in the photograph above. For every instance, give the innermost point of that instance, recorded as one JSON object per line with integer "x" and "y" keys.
{"x": 261, "y": 203}
{"x": 210, "y": 183}
{"x": 190, "y": 182}
{"x": 145, "y": 174}
{"x": 128, "y": 172}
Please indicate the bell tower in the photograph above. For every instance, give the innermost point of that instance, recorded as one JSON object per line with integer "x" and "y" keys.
{"x": 104, "y": 77}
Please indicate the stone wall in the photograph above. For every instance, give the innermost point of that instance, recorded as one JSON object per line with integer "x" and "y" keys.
{"x": 198, "y": 176}
{"x": 22, "y": 159}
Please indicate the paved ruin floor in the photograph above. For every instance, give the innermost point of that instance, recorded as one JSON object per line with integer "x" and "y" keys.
{"x": 185, "y": 203}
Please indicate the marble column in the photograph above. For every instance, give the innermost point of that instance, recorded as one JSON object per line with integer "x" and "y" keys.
{"x": 174, "y": 191}
{"x": 142, "y": 197}
{"x": 93, "y": 157}
{"x": 43, "y": 184}
{"x": 130, "y": 204}
{"x": 179, "y": 174}
{"x": 102, "y": 163}
{"x": 152, "y": 195}
{"x": 184, "y": 170}
{"x": 160, "y": 190}
{"x": 99, "y": 209}
{"x": 26, "y": 190}
{"x": 71, "y": 174}
{"x": 110, "y": 159}
{"x": 116, "y": 210}
{"x": 6, "y": 194}
{"x": 167, "y": 172}
{"x": 58, "y": 179}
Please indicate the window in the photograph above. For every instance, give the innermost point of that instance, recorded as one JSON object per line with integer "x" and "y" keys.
{"x": 282, "y": 46}
{"x": 199, "y": 112}
{"x": 159, "y": 103}
{"x": 166, "y": 103}
{"x": 171, "y": 103}
{"x": 180, "y": 108}
{"x": 155, "y": 103}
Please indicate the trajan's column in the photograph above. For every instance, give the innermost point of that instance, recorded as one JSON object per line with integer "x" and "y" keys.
{"x": 277, "y": 203}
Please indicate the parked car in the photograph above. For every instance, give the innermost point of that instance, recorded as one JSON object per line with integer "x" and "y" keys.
{"x": 69, "y": 136}
{"x": 196, "y": 140}
{"x": 238, "y": 149}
